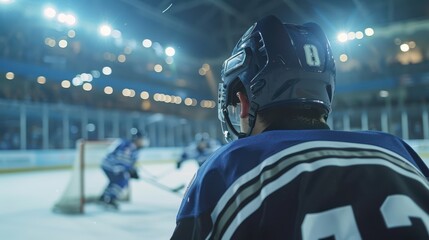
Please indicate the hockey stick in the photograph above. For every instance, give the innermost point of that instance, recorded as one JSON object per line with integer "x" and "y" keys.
{"x": 153, "y": 176}
{"x": 155, "y": 183}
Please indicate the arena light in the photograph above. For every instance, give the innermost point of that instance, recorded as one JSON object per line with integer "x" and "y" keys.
{"x": 6, "y": 1}
{"x": 384, "y": 93}
{"x": 86, "y": 77}
{"x": 157, "y": 68}
{"x": 62, "y": 18}
{"x": 122, "y": 58}
{"x": 87, "y": 87}
{"x": 351, "y": 35}
{"x": 132, "y": 93}
{"x": 105, "y": 30}
{"x": 144, "y": 95}
{"x": 70, "y": 20}
{"x": 65, "y": 84}
{"x": 369, "y": 32}
{"x": 50, "y": 42}
{"x": 168, "y": 99}
{"x": 359, "y": 35}
{"x": 404, "y": 47}
{"x": 41, "y": 80}
{"x": 49, "y": 12}
{"x": 188, "y": 101}
{"x": 342, "y": 37}
{"x": 10, "y": 75}
{"x": 202, "y": 72}
{"x": 169, "y": 51}
{"x": 344, "y": 57}
{"x": 147, "y": 43}
{"x": 62, "y": 43}
{"x": 206, "y": 67}
{"x": 108, "y": 90}
{"x": 177, "y": 100}
{"x": 126, "y": 92}
{"x": 106, "y": 70}
{"x": 71, "y": 33}
{"x": 412, "y": 44}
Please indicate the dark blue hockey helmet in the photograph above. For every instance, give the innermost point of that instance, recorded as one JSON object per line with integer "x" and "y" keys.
{"x": 137, "y": 134}
{"x": 278, "y": 65}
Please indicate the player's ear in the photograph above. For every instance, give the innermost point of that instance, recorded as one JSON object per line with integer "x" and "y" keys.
{"x": 244, "y": 104}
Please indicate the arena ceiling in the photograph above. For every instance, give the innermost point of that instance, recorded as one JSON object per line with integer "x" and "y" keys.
{"x": 201, "y": 31}
{"x": 210, "y": 28}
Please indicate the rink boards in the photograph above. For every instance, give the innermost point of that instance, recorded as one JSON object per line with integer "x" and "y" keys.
{"x": 16, "y": 160}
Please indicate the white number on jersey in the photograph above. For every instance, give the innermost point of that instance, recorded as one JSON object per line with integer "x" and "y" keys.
{"x": 340, "y": 222}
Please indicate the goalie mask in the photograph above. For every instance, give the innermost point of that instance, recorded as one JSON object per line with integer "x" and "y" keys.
{"x": 276, "y": 64}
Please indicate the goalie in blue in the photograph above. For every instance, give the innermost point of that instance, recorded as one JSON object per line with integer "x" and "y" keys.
{"x": 285, "y": 174}
{"x": 119, "y": 167}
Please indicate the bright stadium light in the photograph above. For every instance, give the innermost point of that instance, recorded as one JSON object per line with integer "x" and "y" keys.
{"x": 62, "y": 18}
{"x": 106, "y": 70}
{"x": 206, "y": 67}
{"x": 62, "y": 43}
{"x": 144, "y": 95}
{"x": 70, "y": 20}
{"x": 41, "y": 80}
{"x": 71, "y": 33}
{"x": 10, "y": 75}
{"x": 359, "y": 35}
{"x": 76, "y": 81}
{"x": 384, "y": 93}
{"x": 49, "y": 12}
{"x": 6, "y": 1}
{"x": 157, "y": 68}
{"x": 147, "y": 43}
{"x": 202, "y": 72}
{"x": 87, "y": 87}
{"x": 122, "y": 58}
{"x": 369, "y": 32}
{"x": 126, "y": 92}
{"x": 105, "y": 30}
{"x": 169, "y": 51}
{"x": 404, "y": 47}
{"x": 342, "y": 37}
{"x": 65, "y": 84}
{"x": 351, "y": 35}
{"x": 108, "y": 90}
{"x": 344, "y": 57}
{"x": 188, "y": 101}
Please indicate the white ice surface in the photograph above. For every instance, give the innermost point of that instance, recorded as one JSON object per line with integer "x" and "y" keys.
{"x": 26, "y": 201}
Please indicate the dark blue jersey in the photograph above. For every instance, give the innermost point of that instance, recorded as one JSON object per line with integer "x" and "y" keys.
{"x": 308, "y": 184}
{"x": 121, "y": 157}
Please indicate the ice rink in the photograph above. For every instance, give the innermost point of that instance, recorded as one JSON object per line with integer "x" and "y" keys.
{"x": 27, "y": 199}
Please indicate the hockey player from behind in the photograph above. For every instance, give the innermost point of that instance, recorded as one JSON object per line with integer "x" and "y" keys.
{"x": 288, "y": 176}
{"x": 119, "y": 167}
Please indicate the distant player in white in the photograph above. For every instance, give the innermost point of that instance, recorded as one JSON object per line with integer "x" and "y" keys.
{"x": 285, "y": 175}
{"x": 119, "y": 167}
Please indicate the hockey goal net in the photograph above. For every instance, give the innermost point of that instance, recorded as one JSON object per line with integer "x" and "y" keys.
{"x": 87, "y": 180}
